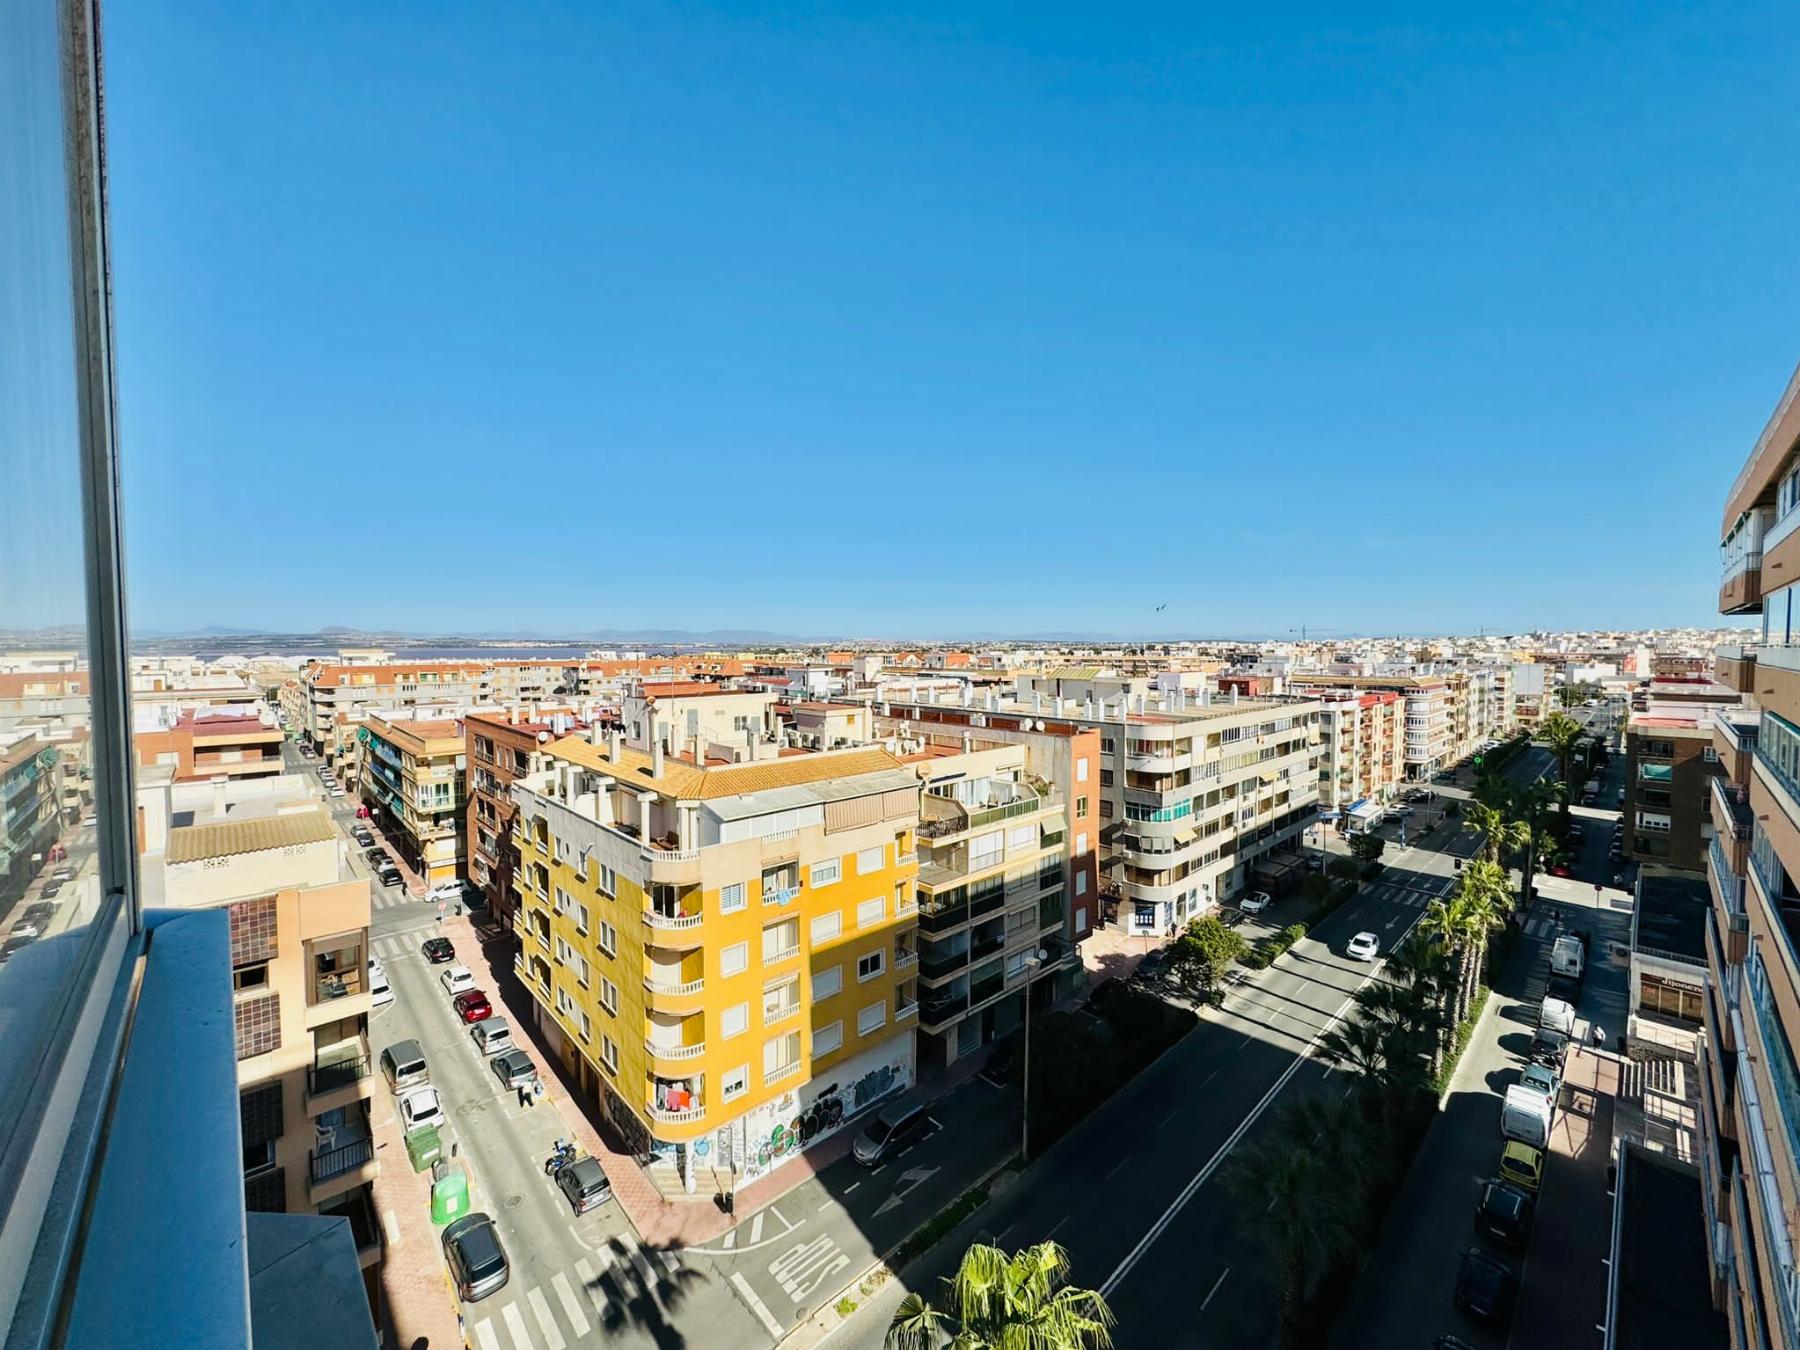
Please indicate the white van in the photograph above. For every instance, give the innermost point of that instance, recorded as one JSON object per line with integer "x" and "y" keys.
{"x": 1556, "y": 1012}
{"x": 1526, "y": 1115}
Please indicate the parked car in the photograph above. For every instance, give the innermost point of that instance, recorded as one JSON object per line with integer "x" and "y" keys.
{"x": 472, "y": 1006}
{"x": 894, "y": 1126}
{"x": 458, "y": 979}
{"x": 1561, "y": 869}
{"x": 420, "y": 1107}
{"x": 376, "y": 856}
{"x": 1504, "y": 1213}
{"x": 1549, "y": 1047}
{"x": 1522, "y": 1165}
{"x": 438, "y": 950}
{"x": 491, "y": 1035}
{"x": 1151, "y": 966}
{"x": 403, "y": 1065}
{"x": 583, "y": 1185}
{"x": 446, "y": 892}
{"x": 1363, "y": 947}
{"x": 476, "y": 1259}
{"x": 1541, "y": 1078}
{"x": 388, "y": 875}
{"x": 13, "y": 945}
{"x": 1486, "y": 1287}
{"x": 381, "y": 993}
{"x": 364, "y": 838}
{"x": 514, "y": 1068}
{"x": 1255, "y": 902}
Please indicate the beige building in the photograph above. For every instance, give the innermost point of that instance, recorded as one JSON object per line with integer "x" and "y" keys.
{"x": 414, "y": 780}
{"x": 267, "y": 852}
{"x": 1362, "y": 749}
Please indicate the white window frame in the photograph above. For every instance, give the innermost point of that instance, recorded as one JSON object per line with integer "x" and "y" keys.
{"x": 870, "y": 860}
{"x": 734, "y": 1021}
{"x": 864, "y": 974}
{"x": 608, "y": 939}
{"x": 825, "y": 873}
{"x": 731, "y": 898}
{"x": 866, "y": 1027}
{"x": 827, "y": 927}
{"x": 735, "y": 959}
{"x": 828, "y": 1039}
{"x": 607, "y": 881}
{"x": 1081, "y": 771}
{"x": 866, "y": 918}
{"x": 609, "y": 996}
{"x": 609, "y": 1052}
{"x": 734, "y": 1083}
{"x": 832, "y": 976}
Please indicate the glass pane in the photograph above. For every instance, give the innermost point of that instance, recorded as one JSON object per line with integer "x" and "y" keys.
{"x": 50, "y": 887}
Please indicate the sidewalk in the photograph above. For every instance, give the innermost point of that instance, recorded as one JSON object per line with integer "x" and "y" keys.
{"x": 417, "y": 1305}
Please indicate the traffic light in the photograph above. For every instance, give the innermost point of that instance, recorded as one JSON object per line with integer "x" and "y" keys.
{"x": 1478, "y": 760}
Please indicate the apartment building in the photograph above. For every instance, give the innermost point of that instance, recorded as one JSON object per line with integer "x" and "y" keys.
{"x": 993, "y": 907}
{"x": 703, "y": 718}
{"x": 1362, "y": 749}
{"x": 1750, "y": 1163}
{"x": 724, "y": 955}
{"x": 1670, "y": 762}
{"x": 199, "y": 746}
{"x": 1532, "y": 695}
{"x": 1430, "y": 715}
{"x": 30, "y": 819}
{"x": 267, "y": 853}
{"x": 500, "y": 750}
{"x": 335, "y": 689}
{"x": 414, "y": 781}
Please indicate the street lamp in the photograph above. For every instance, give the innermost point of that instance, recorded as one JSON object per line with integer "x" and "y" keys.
{"x": 1032, "y": 962}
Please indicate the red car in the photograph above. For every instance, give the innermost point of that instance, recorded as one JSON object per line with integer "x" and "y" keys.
{"x": 472, "y": 1006}
{"x": 1561, "y": 870}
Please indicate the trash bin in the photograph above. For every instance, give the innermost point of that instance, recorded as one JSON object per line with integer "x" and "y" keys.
{"x": 450, "y": 1197}
{"x": 423, "y": 1148}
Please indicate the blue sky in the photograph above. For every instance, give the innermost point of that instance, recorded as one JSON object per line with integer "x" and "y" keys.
{"x": 967, "y": 318}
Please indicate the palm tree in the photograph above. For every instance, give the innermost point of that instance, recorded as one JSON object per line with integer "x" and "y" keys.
{"x": 1562, "y": 734}
{"x": 1300, "y": 1212}
{"x": 1335, "y": 1130}
{"x": 1497, "y": 833}
{"x": 996, "y": 1301}
{"x": 1422, "y": 967}
{"x": 1449, "y": 924}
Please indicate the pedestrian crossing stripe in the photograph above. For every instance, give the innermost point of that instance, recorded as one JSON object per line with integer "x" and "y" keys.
{"x": 564, "y": 1320}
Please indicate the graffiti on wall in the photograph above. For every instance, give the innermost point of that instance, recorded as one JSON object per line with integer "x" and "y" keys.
{"x": 779, "y": 1129}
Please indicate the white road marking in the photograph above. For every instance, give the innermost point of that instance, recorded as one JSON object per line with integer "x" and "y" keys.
{"x": 577, "y": 1318}
{"x": 516, "y": 1324}
{"x": 756, "y": 1305}
{"x": 540, "y": 1307}
{"x": 1166, "y": 1119}
{"x": 852, "y": 1186}
{"x": 804, "y": 1267}
{"x": 1215, "y": 1289}
{"x": 780, "y": 1218}
{"x": 590, "y": 1281}
{"x": 824, "y": 1205}
{"x": 730, "y": 1240}
{"x": 1116, "y": 1166}
{"x": 485, "y": 1333}
{"x": 756, "y": 1227}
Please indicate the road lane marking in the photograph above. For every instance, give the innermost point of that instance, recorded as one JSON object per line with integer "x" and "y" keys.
{"x": 1116, "y": 1166}
{"x": 1215, "y": 1289}
{"x": 540, "y": 1308}
{"x": 804, "y": 1267}
{"x": 780, "y": 1218}
{"x": 485, "y": 1333}
{"x": 1209, "y": 1077}
{"x": 590, "y": 1281}
{"x": 824, "y": 1205}
{"x": 756, "y": 1227}
{"x": 756, "y": 1305}
{"x": 515, "y": 1323}
{"x": 577, "y": 1318}
{"x": 1166, "y": 1119}
{"x": 852, "y": 1186}
{"x": 730, "y": 1240}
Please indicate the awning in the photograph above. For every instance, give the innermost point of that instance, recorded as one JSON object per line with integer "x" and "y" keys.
{"x": 1366, "y": 811}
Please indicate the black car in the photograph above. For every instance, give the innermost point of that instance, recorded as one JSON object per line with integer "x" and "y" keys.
{"x": 377, "y": 857}
{"x": 389, "y": 875}
{"x": 1504, "y": 1214}
{"x": 363, "y": 837}
{"x": 1486, "y": 1287}
{"x": 438, "y": 950}
{"x": 583, "y": 1184}
{"x": 1548, "y": 1046}
{"x": 50, "y": 890}
{"x": 1151, "y": 966}
{"x": 476, "y": 1259}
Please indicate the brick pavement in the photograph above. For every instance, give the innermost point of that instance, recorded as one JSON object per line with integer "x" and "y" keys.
{"x": 419, "y": 1311}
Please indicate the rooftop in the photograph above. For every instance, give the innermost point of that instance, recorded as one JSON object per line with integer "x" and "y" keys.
{"x": 1671, "y": 913}
{"x": 1660, "y": 1296}
{"x": 688, "y": 782}
{"x": 258, "y": 834}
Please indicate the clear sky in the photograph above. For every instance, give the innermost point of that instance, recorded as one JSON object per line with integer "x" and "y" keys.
{"x": 958, "y": 318}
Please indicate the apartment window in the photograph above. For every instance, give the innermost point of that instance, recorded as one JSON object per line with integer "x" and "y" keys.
{"x": 1106, "y": 809}
{"x": 1081, "y": 808}
{"x": 827, "y": 1039}
{"x": 608, "y": 882}
{"x": 1081, "y": 771}
{"x": 781, "y": 1053}
{"x": 609, "y": 1053}
{"x": 609, "y": 995}
{"x": 871, "y": 964}
{"x": 251, "y": 977}
{"x": 825, "y": 983}
{"x": 871, "y": 859}
{"x": 734, "y": 1021}
{"x": 734, "y": 1083}
{"x": 731, "y": 898}
{"x": 609, "y": 936}
{"x": 1652, "y": 821}
{"x": 1081, "y": 843}
{"x": 827, "y": 926}
{"x": 1081, "y": 918}
{"x": 871, "y": 912}
{"x": 904, "y": 899}
{"x": 1710, "y": 754}
{"x": 781, "y": 940}
{"x": 781, "y": 998}
{"x": 823, "y": 874}
{"x": 871, "y": 1018}
{"x": 1081, "y": 883}
{"x": 735, "y": 959}
{"x": 1022, "y": 837}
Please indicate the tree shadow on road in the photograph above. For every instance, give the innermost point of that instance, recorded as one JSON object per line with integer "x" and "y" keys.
{"x": 643, "y": 1292}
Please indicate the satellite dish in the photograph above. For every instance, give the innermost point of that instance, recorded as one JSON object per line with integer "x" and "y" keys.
{"x": 543, "y": 737}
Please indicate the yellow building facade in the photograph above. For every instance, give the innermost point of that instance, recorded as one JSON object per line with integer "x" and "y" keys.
{"x": 726, "y": 953}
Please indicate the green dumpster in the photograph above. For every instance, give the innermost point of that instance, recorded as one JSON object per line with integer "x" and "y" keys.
{"x": 423, "y": 1147}
{"x": 450, "y": 1196}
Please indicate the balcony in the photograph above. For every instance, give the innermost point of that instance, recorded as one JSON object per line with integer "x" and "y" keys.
{"x": 996, "y": 801}
{"x": 684, "y": 1116}
{"x": 358, "y": 1209}
{"x": 339, "y": 1074}
{"x": 674, "y": 1052}
{"x": 1735, "y": 668}
{"x": 1728, "y": 901}
{"x": 938, "y": 1008}
{"x": 1740, "y": 585}
{"x": 1732, "y": 820}
{"x": 340, "y": 1167}
{"x": 667, "y": 993}
{"x": 674, "y": 928}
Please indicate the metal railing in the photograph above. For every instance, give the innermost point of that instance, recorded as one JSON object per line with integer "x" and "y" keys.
{"x": 334, "y": 1162}
{"x": 337, "y": 1073}
{"x": 1664, "y": 954}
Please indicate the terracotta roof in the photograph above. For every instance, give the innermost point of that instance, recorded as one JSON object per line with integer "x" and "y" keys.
{"x": 259, "y": 834}
{"x": 44, "y": 684}
{"x": 684, "y": 780}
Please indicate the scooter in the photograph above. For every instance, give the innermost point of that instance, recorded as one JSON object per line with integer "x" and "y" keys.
{"x": 561, "y": 1158}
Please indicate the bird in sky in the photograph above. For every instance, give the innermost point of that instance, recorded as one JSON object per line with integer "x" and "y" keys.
{"x": 1160, "y": 608}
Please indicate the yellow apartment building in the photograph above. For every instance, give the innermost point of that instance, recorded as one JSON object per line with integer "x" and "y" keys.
{"x": 723, "y": 953}
{"x": 414, "y": 780}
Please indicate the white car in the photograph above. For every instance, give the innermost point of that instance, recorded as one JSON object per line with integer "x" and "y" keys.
{"x": 420, "y": 1107}
{"x": 446, "y": 892}
{"x": 457, "y": 980}
{"x": 1255, "y": 902}
{"x": 1364, "y": 947}
{"x": 381, "y": 993}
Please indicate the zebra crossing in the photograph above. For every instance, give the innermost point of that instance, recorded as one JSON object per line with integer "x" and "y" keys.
{"x": 396, "y": 945}
{"x": 590, "y": 1297}
{"x": 391, "y": 897}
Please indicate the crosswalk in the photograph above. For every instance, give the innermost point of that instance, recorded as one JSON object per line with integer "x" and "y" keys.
{"x": 389, "y": 897}
{"x": 586, "y": 1301}
{"x": 396, "y": 945}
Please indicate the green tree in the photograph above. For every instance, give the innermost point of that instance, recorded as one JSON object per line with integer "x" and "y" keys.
{"x": 1422, "y": 967}
{"x": 997, "y": 1302}
{"x": 1562, "y": 734}
{"x": 1343, "y": 869}
{"x": 1300, "y": 1213}
{"x": 1367, "y": 848}
{"x": 1315, "y": 889}
{"x": 1496, "y": 832}
{"x": 1200, "y": 959}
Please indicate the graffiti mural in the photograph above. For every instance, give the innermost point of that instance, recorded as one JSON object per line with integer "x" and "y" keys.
{"x": 777, "y": 1130}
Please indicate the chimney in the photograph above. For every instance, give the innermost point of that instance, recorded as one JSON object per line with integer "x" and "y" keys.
{"x": 1058, "y": 705}
{"x": 656, "y": 756}
{"x": 1037, "y": 700}
{"x": 596, "y": 735}
{"x": 615, "y": 743}
{"x": 512, "y": 714}
{"x": 968, "y": 742}
{"x": 1234, "y": 695}
{"x": 218, "y": 798}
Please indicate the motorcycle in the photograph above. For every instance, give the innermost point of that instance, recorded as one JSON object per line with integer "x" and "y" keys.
{"x": 563, "y": 1155}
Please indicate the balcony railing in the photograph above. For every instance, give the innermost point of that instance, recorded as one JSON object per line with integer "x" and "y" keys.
{"x": 1664, "y": 954}
{"x": 935, "y": 1008}
{"x": 672, "y": 987}
{"x": 785, "y": 1071}
{"x": 330, "y": 1076}
{"x": 1748, "y": 561}
{"x": 667, "y": 1117}
{"x": 657, "y": 1051}
{"x": 904, "y": 959}
{"x": 780, "y": 895}
{"x": 672, "y": 922}
{"x": 786, "y": 953}
{"x": 334, "y": 1162}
